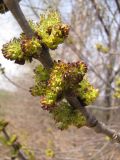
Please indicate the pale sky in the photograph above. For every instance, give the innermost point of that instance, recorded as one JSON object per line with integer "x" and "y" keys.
{"x": 9, "y": 29}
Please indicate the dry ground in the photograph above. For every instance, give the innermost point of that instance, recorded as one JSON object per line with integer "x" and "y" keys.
{"x": 36, "y": 130}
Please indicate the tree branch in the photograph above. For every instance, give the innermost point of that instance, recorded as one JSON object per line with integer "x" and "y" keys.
{"x": 100, "y": 17}
{"x": 118, "y": 5}
{"x": 13, "y": 6}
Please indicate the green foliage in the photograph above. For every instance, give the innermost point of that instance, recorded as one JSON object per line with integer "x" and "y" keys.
{"x": 65, "y": 115}
{"x": 102, "y": 48}
{"x": 86, "y": 92}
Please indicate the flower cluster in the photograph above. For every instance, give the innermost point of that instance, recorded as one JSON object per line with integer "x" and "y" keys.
{"x": 86, "y": 92}
{"x": 41, "y": 77}
{"x": 63, "y": 77}
{"x": 65, "y": 115}
{"x": 49, "y": 32}
{"x": 52, "y": 85}
{"x": 21, "y": 49}
{"x": 30, "y": 46}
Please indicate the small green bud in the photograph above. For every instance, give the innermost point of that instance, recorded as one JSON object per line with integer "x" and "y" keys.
{"x": 102, "y": 48}
{"x": 86, "y": 92}
{"x": 65, "y": 116}
{"x": 12, "y": 140}
{"x": 3, "y": 124}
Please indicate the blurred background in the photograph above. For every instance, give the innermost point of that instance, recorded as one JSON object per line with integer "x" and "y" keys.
{"x": 94, "y": 37}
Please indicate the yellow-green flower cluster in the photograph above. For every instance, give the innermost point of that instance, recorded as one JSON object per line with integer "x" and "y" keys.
{"x": 30, "y": 46}
{"x": 21, "y": 49}
{"x": 12, "y": 51}
{"x": 63, "y": 76}
{"x": 49, "y": 32}
{"x": 41, "y": 77}
{"x": 50, "y": 29}
{"x": 65, "y": 115}
{"x": 53, "y": 84}
{"x": 86, "y": 92}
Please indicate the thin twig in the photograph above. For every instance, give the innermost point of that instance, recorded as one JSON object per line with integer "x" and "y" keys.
{"x": 15, "y": 145}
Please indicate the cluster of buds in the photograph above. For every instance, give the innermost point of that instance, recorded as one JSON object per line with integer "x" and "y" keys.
{"x": 49, "y": 32}
{"x": 52, "y": 85}
{"x": 21, "y": 49}
{"x": 41, "y": 78}
{"x": 63, "y": 77}
{"x": 86, "y": 92}
{"x": 66, "y": 115}
{"x": 30, "y": 46}
{"x": 12, "y": 51}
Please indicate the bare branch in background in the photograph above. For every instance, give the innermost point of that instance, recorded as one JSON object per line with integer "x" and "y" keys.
{"x": 100, "y": 17}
